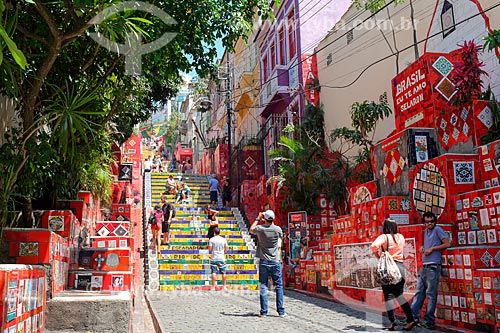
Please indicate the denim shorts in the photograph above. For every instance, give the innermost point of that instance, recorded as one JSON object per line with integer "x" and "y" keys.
{"x": 218, "y": 265}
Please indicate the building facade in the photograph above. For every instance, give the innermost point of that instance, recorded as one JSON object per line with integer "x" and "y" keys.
{"x": 359, "y": 57}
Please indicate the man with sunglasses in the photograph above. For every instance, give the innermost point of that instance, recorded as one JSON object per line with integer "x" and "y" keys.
{"x": 435, "y": 241}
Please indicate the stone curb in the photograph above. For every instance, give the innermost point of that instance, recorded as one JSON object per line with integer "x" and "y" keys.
{"x": 156, "y": 323}
{"x": 443, "y": 328}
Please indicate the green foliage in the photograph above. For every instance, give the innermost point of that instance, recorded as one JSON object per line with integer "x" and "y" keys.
{"x": 5, "y": 40}
{"x": 373, "y": 5}
{"x": 353, "y": 144}
{"x": 305, "y": 170}
{"x": 174, "y": 123}
{"x": 492, "y": 41}
{"x": 72, "y": 118}
{"x": 74, "y": 94}
{"x": 365, "y": 115}
{"x": 314, "y": 123}
{"x": 36, "y": 157}
{"x": 97, "y": 178}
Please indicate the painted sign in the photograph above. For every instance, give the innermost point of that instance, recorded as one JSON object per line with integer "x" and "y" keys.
{"x": 297, "y": 228}
{"x": 411, "y": 88}
{"x": 310, "y": 78}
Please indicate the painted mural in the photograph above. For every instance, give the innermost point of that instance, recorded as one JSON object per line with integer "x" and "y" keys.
{"x": 355, "y": 266}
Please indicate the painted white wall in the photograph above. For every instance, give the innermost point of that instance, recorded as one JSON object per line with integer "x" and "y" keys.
{"x": 368, "y": 56}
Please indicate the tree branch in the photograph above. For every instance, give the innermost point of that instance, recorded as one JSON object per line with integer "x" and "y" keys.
{"x": 32, "y": 36}
{"x": 47, "y": 17}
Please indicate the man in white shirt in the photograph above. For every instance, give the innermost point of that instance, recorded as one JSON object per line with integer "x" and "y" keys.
{"x": 147, "y": 165}
{"x": 218, "y": 247}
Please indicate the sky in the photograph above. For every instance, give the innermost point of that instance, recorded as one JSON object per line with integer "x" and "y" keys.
{"x": 220, "y": 52}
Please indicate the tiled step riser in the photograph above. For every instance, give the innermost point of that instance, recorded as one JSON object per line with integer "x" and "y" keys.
{"x": 234, "y": 277}
{"x": 199, "y": 267}
{"x": 195, "y": 253}
{"x": 183, "y": 217}
{"x": 206, "y": 281}
{"x": 189, "y": 232}
{"x": 184, "y": 265}
{"x": 164, "y": 257}
{"x": 203, "y": 243}
{"x": 234, "y": 274}
{"x": 206, "y": 287}
{"x": 205, "y": 262}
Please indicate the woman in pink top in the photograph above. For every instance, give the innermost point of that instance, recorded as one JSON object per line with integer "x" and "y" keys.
{"x": 395, "y": 249}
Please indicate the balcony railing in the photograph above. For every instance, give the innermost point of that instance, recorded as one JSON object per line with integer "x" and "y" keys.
{"x": 276, "y": 84}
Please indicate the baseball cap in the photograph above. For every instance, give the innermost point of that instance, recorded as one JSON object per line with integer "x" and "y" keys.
{"x": 269, "y": 215}
{"x": 157, "y": 207}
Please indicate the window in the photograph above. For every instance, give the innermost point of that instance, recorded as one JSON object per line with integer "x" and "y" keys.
{"x": 264, "y": 68}
{"x": 281, "y": 44}
{"x": 272, "y": 55}
{"x": 383, "y": 98}
{"x": 350, "y": 36}
{"x": 291, "y": 35}
{"x": 329, "y": 59}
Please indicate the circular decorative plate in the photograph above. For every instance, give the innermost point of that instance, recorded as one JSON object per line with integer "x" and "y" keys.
{"x": 112, "y": 260}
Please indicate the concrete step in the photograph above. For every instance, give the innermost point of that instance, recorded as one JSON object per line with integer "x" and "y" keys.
{"x": 89, "y": 311}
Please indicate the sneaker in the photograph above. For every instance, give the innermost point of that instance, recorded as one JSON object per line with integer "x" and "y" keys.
{"x": 427, "y": 325}
{"x": 262, "y": 315}
{"x": 283, "y": 315}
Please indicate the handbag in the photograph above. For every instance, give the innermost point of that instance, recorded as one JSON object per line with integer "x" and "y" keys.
{"x": 387, "y": 271}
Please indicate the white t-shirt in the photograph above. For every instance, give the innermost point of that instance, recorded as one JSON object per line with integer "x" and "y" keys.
{"x": 218, "y": 244}
{"x": 147, "y": 164}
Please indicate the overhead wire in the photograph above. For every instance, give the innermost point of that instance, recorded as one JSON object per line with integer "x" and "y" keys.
{"x": 300, "y": 61}
{"x": 379, "y": 60}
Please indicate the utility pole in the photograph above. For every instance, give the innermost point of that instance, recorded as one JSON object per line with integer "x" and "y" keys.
{"x": 228, "y": 110}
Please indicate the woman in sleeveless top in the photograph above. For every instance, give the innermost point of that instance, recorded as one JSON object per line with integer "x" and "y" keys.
{"x": 396, "y": 248}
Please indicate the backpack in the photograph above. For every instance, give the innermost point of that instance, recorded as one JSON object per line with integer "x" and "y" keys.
{"x": 152, "y": 219}
{"x": 165, "y": 210}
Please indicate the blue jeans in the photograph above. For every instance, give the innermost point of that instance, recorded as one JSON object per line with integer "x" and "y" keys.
{"x": 427, "y": 286}
{"x": 270, "y": 268}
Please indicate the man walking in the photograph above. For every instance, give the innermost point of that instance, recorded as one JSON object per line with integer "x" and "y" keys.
{"x": 213, "y": 186}
{"x": 268, "y": 236}
{"x": 435, "y": 241}
{"x": 218, "y": 247}
{"x": 168, "y": 215}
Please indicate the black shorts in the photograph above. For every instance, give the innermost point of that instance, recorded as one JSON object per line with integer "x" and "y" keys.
{"x": 165, "y": 227}
{"x": 213, "y": 196}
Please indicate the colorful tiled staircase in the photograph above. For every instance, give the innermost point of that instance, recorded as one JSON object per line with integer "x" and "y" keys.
{"x": 184, "y": 264}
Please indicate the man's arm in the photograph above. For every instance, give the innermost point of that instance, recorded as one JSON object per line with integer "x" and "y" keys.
{"x": 255, "y": 223}
{"x": 445, "y": 243}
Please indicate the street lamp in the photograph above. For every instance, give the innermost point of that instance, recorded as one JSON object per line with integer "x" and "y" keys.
{"x": 205, "y": 105}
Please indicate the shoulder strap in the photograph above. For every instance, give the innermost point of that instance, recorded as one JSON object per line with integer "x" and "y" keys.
{"x": 386, "y": 244}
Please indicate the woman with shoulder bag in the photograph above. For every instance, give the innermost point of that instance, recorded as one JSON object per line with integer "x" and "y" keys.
{"x": 394, "y": 243}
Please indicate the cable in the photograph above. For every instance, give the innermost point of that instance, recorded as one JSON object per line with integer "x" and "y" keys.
{"x": 407, "y": 48}
{"x": 299, "y": 62}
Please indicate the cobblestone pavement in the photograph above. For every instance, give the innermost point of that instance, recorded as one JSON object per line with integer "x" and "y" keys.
{"x": 236, "y": 311}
